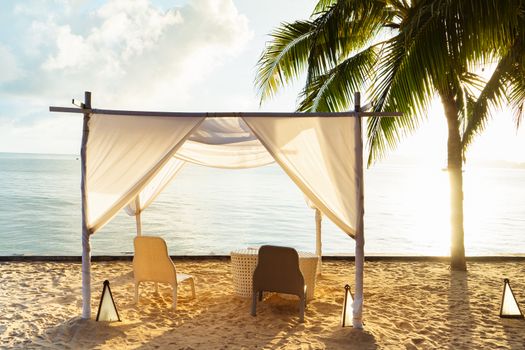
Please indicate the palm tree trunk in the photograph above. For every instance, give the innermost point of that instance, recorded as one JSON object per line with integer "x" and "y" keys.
{"x": 455, "y": 171}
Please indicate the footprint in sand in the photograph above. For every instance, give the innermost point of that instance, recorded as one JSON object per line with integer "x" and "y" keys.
{"x": 404, "y": 326}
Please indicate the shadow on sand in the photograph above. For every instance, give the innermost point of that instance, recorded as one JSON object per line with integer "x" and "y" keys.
{"x": 514, "y": 332}
{"x": 76, "y": 331}
{"x": 352, "y": 339}
{"x": 228, "y": 324}
{"x": 460, "y": 319}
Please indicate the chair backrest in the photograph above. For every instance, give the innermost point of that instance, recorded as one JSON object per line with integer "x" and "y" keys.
{"x": 152, "y": 262}
{"x": 278, "y": 271}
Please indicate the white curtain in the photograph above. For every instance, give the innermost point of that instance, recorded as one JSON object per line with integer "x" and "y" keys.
{"x": 133, "y": 155}
{"x": 218, "y": 142}
{"x": 224, "y": 143}
{"x": 123, "y": 154}
{"x": 318, "y": 153}
{"x": 155, "y": 186}
{"x": 239, "y": 155}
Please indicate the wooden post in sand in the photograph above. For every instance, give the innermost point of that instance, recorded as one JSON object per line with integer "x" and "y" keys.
{"x": 318, "y": 241}
{"x": 137, "y": 215}
{"x": 86, "y": 248}
{"x": 357, "y": 321}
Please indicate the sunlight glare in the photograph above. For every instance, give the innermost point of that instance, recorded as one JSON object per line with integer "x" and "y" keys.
{"x": 430, "y": 208}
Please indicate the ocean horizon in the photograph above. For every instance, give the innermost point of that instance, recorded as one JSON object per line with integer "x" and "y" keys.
{"x": 207, "y": 211}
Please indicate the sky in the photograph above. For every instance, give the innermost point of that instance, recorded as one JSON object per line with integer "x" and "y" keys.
{"x": 171, "y": 55}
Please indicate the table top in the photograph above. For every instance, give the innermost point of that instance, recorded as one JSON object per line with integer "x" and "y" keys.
{"x": 255, "y": 251}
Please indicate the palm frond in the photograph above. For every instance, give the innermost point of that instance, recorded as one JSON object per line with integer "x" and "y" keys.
{"x": 508, "y": 73}
{"x": 516, "y": 79}
{"x": 342, "y": 29}
{"x": 483, "y": 28}
{"x": 410, "y": 68}
{"x": 284, "y": 58}
{"x": 333, "y": 91}
{"x": 517, "y": 98}
{"x": 322, "y": 6}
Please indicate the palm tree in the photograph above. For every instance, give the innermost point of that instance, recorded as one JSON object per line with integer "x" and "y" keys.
{"x": 404, "y": 54}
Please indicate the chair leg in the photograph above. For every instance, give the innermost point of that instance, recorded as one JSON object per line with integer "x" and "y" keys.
{"x": 305, "y": 297}
{"x": 254, "y": 303}
{"x": 260, "y": 295}
{"x": 192, "y": 284}
{"x": 175, "y": 297}
{"x": 302, "y": 305}
{"x": 136, "y": 300}
{"x": 156, "y": 288}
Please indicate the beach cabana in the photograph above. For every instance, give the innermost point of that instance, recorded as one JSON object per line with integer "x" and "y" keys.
{"x": 128, "y": 158}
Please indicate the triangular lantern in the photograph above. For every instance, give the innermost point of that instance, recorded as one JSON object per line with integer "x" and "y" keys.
{"x": 348, "y": 309}
{"x": 509, "y": 304}
{"x": 107, "y": 310}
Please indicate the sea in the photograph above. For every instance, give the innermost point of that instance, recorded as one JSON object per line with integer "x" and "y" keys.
{"x": 208, "y": 211}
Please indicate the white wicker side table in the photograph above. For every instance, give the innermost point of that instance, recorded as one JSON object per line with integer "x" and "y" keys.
{"x": 244, "y": 262}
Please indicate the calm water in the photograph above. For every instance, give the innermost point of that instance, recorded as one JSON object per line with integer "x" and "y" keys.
{"x": 214, "y": 211}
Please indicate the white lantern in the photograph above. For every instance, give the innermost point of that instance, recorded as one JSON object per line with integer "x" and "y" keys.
{"x": 107, "y": 310}
{"x": 509, "y": 305}
{"x": 348, "y": 309}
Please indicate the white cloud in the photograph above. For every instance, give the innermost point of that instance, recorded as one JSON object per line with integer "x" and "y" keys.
{"x": 140, "y": 54}
{"x": 10, "y": 69}
{"x": 72, "y": 51}
{"x": 130, "y": 54}
{"x": 126, "y": 30}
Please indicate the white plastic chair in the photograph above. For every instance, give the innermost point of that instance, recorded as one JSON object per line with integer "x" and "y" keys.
{"x": 152, "y": 263}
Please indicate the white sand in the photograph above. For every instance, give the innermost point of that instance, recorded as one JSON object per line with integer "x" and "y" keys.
{"x": 408, "y": 305}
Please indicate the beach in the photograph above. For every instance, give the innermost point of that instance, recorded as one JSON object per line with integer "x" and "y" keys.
{"x": 219, "y": 127}
{"x": 408, "y": 305}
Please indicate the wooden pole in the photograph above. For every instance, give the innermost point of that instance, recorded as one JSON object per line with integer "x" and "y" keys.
{"x": 318, "y": 241}
{"x": 359, "y": 235}
{"x": 86, "y": 248}
{"x": 137, "y": 215}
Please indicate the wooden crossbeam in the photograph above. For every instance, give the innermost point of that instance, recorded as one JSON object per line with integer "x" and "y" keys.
{"x": 222, "y": 114}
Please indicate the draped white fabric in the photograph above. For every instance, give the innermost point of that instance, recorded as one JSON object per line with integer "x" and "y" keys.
{"x": 224, "y": 143}
{"x": 219, "y": 142}
{"x": 222, "y": 131}
{"x": 239, "y": 155}
{"x": 318, "y": 154}
{"x": 155, "y": 186}
{"x": 123, "y": 154}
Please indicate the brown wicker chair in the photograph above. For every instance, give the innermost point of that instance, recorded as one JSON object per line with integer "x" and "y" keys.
{"x": 278, "y": 271}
